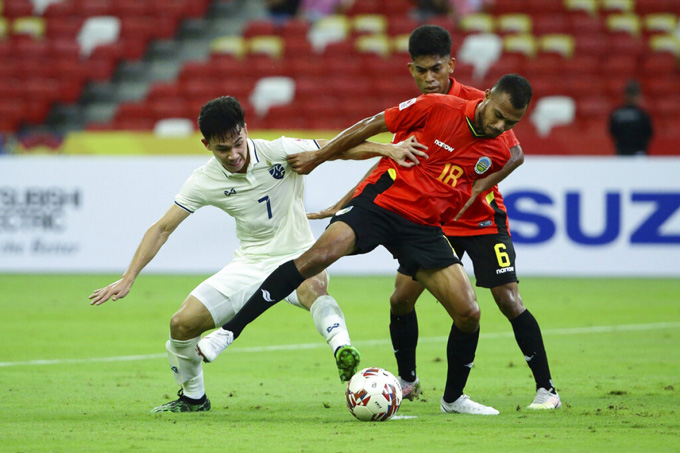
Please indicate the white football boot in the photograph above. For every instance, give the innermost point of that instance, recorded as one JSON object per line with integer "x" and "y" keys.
{"x": 210, "y": 346}
{"x": 545, "y": 399}
{"x": 464, "y": 405}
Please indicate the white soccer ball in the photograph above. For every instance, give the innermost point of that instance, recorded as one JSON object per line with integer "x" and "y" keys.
{"x": 373, "y": 394}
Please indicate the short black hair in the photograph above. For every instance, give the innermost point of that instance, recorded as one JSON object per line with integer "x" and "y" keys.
{"x": 222, "y": 117}
{"x": 429, "y": 40}
{"x": 517, "y": 87}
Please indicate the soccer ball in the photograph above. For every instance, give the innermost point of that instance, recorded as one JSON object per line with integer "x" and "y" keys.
{"x": 373, "y": 394}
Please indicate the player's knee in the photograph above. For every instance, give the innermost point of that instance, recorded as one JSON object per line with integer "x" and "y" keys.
{"x": 467, "y": 320}
{"x": 400, "y": 304}
{"x": 180, "y": 328}
{"x": 509, "y": 302}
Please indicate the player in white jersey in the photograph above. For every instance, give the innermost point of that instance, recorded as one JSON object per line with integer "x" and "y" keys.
{"x": 252, "y": 181}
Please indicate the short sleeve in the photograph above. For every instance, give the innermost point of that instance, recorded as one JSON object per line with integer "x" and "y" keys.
{"x": 408, "y": 115}
{"x": 189, "y": 197}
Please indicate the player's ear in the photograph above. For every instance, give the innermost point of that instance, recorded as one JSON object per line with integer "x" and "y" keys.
{"x": 205, "y": 143}
{"x": 452, "y": 65}
{"x": 411, "y": 68}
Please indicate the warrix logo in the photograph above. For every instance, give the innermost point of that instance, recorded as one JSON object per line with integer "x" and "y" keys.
{"x": 334, "y": 326}
{"x": 266, "y": 296}
{"x": 444, "y": 145}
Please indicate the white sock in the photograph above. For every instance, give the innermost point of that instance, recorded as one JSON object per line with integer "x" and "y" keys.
{"x": 186, "y": 365}
{"x": 330, "y": 322}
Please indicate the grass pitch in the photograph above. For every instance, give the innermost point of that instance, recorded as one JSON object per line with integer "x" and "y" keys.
{"x": 80, "y": 378}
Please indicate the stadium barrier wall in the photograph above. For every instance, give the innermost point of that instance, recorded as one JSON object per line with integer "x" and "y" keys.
{"x": 569, "y": 216}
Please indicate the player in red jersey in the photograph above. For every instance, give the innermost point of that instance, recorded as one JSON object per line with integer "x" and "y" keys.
{"x": 481, "y": 230}
{"x": 402, "y": 208}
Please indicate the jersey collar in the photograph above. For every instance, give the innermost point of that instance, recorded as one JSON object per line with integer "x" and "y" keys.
{"x": 470, "y": 107}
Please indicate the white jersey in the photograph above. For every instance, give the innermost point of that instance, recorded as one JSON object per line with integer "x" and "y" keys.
{"x": 266, "y": 202}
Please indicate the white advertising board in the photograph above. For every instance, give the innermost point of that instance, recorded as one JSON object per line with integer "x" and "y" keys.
{"x": 568, "y": 215}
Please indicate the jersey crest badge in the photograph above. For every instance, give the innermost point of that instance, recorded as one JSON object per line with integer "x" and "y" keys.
{"x": 406, "y": 104}
{"x": 277, "y": 171}
{"x": 482, "y": 165}
{"x": 231, "y": 191}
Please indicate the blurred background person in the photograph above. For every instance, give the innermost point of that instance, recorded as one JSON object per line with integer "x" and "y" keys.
{"x": 282, "y": 10}
{"x": 629, "y": 125}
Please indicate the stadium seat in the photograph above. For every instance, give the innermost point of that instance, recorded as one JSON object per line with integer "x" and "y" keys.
{"x": 327, "y": 30}
{"x": 12, "y": 9}
{"x": 270, "y": 91}
{"x": 369, "y": 24}
{"x": 562, "y": 44}
{"x": 665, "y": 43}
{"x": 660, "y": 23}
{"x": 549, "y": 23}
{"x": 173, "y": 127}
{"x": 258, "y": 28}
{"x": 585, "y": 6}
{"x": 480, "y": 50}
{"x": 97, "y": 30}
{"x": 619, "y": 6}
{"x": 522, "y": 43}
{"x": 551, "y": 111}
{"x": 39, "y": 6}
{"x": 231, "y": 45}
{"x": 477, "y": 23}
{"x": 514, "y": 23}
{"x": 32, "y": 26}
{"x": 399, "y": 44}
{"x": 269, "y": 45}
{"x": 374, "y": 44}
{"x": 629, "y": 23}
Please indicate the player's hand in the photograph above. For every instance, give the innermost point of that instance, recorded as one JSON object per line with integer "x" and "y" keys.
{"x": 406, "y": 153}
{"x": 474, "y": 193}
{"x": 116, "y": 290}
{"x": 304, "y": 162}
{"x": 324, "y": 213}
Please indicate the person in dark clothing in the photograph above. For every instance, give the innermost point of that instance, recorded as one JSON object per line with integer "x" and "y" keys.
{"x": 631, "y": 126}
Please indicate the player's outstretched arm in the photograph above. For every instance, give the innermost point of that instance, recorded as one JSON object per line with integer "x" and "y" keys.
{"x": 151, "y": 243}
{"x": 347, "y": 139}
{"x": 404, "y": 153}
{"x": 482, "y": 185}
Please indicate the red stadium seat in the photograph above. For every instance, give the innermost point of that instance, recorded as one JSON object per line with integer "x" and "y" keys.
{"x": 16, "y": 8}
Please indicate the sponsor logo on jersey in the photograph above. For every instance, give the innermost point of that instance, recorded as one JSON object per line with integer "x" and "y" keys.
{"x": 485, "y": 223}
{"x": 277, "y": 171}
{"x": 344, "y": 210}
{"x": 231, "y": 191}
{"x": 482, "y": 165}
{"x": 444, "y": 145}
{"x": 505, "y": 269}
{"x": 407, "y": 104}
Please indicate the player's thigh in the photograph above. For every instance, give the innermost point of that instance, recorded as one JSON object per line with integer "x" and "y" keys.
{"x": 452, "y": 288}
{"x": 310, "y": 290}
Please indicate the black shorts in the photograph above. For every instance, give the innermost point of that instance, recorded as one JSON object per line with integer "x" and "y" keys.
{"x": 414, "y": 246}
{"x": 492, "y": 256}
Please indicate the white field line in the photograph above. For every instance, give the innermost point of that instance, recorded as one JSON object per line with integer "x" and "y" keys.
{"x": 320, "y": 344}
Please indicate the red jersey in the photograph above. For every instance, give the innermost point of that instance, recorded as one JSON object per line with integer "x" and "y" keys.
{"x": 433, "y": 192}
{"x": 480, "y": 217}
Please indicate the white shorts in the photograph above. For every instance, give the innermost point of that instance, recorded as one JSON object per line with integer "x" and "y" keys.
{"x": 225, "y": 292}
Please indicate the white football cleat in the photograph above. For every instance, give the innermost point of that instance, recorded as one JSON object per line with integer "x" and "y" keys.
{"x": 545, "y": 399}
{"x": 210, "y": 346}
{"x": 464, "y": 405}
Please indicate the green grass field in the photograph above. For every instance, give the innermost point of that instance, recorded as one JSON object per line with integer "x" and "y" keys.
{"x": 81, "y": 378}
